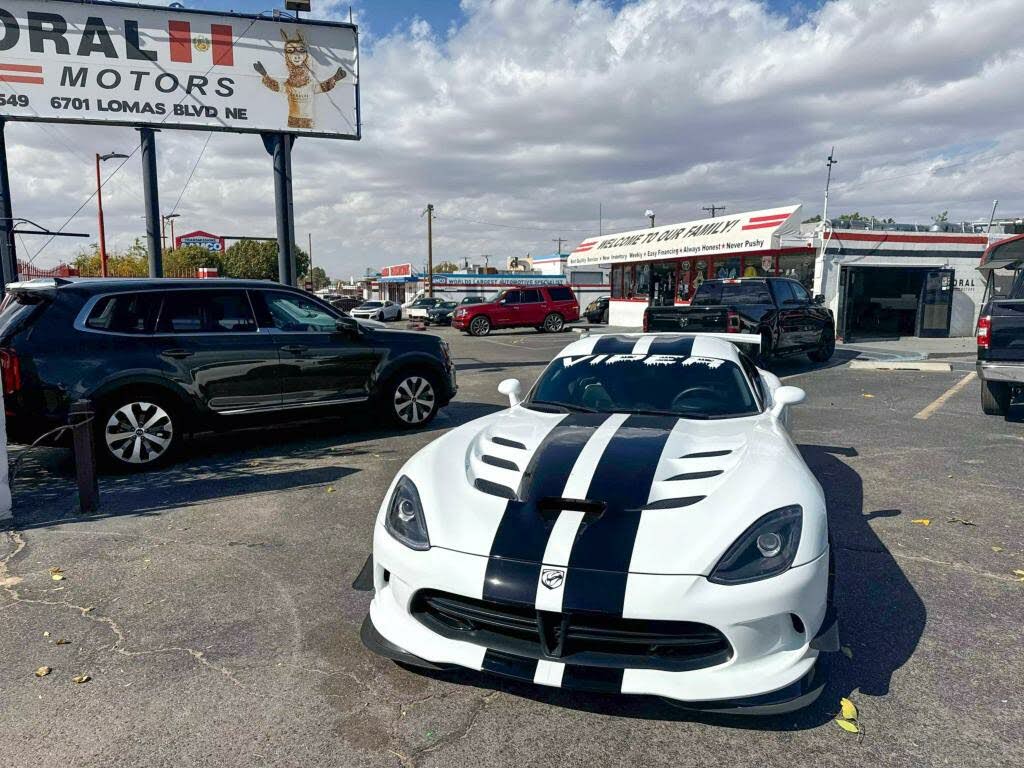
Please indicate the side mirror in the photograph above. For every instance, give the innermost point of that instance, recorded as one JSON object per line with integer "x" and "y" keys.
{"x": 513, "y": 389}
{"x": 348, "y": 325}
{"x": 786, "y": 396}
{"x": 819, "y": 299}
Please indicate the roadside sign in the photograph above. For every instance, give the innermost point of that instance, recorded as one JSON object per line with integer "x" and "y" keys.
{"x": 202, "y": 239}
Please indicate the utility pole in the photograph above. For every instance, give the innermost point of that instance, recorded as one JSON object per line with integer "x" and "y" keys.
{"x": 430, "y": 248}
{"x": 559, "y": 240}
{"x": 828, "y": 181}
{"x": 819, "y": 262}
{"x": 713, "y": 209}
{"x": 600, "y": 219}
{"x": 309, "y": 240}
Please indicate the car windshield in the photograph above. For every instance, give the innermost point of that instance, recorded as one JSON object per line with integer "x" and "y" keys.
{"x": 677, "y": 385}
{"x": 494, "y": 297}
{"x": 370, "y": 305}
{"x": 447, "y": 305}
{"x": 715, "y": 292}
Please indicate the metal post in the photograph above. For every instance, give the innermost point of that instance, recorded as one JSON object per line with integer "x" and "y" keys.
{"x": 8, "y": 253}
{"x": 80, "y": 415}
{"x": 151, "y": 192}
{"x": 430, "y": 250}
{"x": 279, "y": 145}
{"x": 103, "y": 234}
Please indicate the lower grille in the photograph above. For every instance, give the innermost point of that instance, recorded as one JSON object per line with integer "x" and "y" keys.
{"x": 576, "y": 638}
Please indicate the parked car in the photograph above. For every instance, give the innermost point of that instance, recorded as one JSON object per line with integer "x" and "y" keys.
{"x": 346, "y": 303}
{"x": 597, "y": 310}
{"x": 377, "y": 310}
{"x": 641, "y": 522}
{"x": 419, "y": 308}
{"x": 159, "y": 359}
{"x": 547, "y": 308}
{"x": 442, "y": 313}
{"x": 1001, "y": 348}
{"x": 778, "y": 310}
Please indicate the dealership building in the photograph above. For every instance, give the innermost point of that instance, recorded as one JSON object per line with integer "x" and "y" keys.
{"x": 898, "y": 280}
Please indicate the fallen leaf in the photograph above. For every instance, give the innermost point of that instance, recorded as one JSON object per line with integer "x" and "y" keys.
{"x": 997, "y": 549}
{"x": 87, "y": 610}
{"x": 1018, "y": 572}
{"x": 57, "y": 574}
{"x": 848, "y": 709}
{"x": 922, "y": 521}
{"x": 330, "y": 490}
{"x": 43, "y": 671}
{"x": 867, "y": 395}
{"x": 46, "y": 634}
{"x": 62, "y": 641}
{"x": 847, "y": 651}
{"x": 80, "y": 679}
{"x": 846, "y": 725}
{"x": 961, "y": 521}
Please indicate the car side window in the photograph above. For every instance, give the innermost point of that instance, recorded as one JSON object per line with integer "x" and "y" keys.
{"x": 532, "y": 296}
{"x": 206, "y": 311}
{"x": 512, "y": 297}
{"x": 560, "y": 294}
{"x": 292, "y": 313}
{"x": 783, "y": 292}
{"x": 799, "y": 292}
{"x": 133, "y": 313}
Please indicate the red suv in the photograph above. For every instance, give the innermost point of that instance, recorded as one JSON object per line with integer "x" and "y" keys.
{"x": 546, "y": 309}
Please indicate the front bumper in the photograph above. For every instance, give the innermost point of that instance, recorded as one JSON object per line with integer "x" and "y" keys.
{"x": 1011, "y": 373}
{"x": 770, "y": 669}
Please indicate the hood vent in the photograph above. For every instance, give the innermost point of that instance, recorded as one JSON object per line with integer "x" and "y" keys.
{"x": 697, "y": 475}
{"x": 706, "y": 454}
{"x": 494, "y": 461}
{"x": 685, "y": 501}
{"x": 494, "y": 489}
{"x": 508, "y": 443}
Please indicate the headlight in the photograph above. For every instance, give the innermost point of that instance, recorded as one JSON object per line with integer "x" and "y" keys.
{"x": 404, "y": 519}
{"x": 765, "y": 549}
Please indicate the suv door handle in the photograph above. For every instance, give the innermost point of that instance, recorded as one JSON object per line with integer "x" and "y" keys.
{"x": 297, "y": 349}
{"x": 177, "y": 354}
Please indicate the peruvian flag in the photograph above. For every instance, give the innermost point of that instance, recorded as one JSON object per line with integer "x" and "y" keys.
{"x": 183, "y": 40}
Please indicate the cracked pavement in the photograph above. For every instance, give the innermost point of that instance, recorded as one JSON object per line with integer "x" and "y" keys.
{"x": 210, "y": 603}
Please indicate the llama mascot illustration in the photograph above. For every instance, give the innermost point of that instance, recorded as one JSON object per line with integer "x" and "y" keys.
{"x": 301, "y": 85}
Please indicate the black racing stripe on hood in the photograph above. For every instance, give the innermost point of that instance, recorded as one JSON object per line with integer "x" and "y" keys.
{"x": 523, "y": 532}
{"x": 604, "y": 546}
{"x": 672, "y": 345}
{"x": 613, "y": 345}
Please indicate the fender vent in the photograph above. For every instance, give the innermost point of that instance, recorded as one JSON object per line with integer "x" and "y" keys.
{"x": 494, "y": 461}
{"x": 683, "y": 501}
{"x": 494, "y": 489}
{"x": 508, "y": 443}
{"x": 706, "y": 454}
{"x": 697, "y": 475}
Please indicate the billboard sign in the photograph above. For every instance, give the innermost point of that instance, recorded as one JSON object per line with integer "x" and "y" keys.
{"x": 736, "y": 233}
{"x": 201, "y": 239}
{"x": 112, "y": 63}
{"x": 398, "y": 270}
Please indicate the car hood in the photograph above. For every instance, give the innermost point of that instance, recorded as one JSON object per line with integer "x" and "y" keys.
{"x": 655, "y": 494}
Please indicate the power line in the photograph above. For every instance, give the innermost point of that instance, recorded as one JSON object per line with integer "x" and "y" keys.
{"x": 509, "y": 226}
{"x": 713, "y": 208}
{"x": 191, "y": 173}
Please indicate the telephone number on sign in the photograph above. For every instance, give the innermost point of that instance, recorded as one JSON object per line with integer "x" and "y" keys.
{"x": 13, "y": 100}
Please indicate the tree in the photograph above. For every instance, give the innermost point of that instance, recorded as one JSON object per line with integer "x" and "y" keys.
{"x": 813, "y": 220}
{"x": 257, "y": 260}
{"x": 446, "y": 268}
{"x": 941, "y": 218}
{"x": 133, "y": 262}
{"x": 319, "y": 279}
{"x": 185, "y": 261}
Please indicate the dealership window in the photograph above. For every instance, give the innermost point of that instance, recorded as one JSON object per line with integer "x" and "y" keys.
{"x": 643, "y": 279}
{"x": 727, "y": 267}
{"x": 628, "y": 281}
{"x": 683, "y": 291}
{"x": 617, "y": 281}
{"x": 799, "y": 266}
{"x": 758, "y": 265}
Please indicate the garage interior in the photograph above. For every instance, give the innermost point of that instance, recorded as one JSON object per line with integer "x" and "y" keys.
{"x": 882, "y": 302}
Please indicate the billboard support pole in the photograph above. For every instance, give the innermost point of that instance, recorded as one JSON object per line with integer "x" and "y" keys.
{"x": 8, "y": 254}
{"x": 151, "y": 193}
{"x": 279, "y": 145}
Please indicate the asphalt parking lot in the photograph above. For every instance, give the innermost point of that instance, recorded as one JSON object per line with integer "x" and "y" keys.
{"x": 210, "y": 603}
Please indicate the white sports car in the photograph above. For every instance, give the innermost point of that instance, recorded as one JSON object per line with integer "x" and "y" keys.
{"x": 377, "y": 310}
{"x": 641, "y": 522}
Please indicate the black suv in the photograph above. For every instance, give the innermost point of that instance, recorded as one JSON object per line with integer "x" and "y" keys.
{"x": 162, "y": 358}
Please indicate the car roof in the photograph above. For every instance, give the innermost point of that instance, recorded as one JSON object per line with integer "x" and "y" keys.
{"x": 688, "y": 344}
{"x": 104, "y": 284}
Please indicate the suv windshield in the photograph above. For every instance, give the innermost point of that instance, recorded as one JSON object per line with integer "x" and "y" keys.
{"x": 688, "y": 387}
{"x": 370, "y": 305}
{"x": 713, "y": 292}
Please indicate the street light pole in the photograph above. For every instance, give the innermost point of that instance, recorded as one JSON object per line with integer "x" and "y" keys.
{"x": 99, "y": 201}
{"x": 163, "y": 230}
{"x": 650, "y": 215}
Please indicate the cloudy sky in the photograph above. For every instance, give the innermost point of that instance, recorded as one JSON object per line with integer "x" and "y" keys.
{"x": 518, "y": 119}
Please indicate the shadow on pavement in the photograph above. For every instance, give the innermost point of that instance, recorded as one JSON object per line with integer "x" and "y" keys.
{"x": 791, "y": 366}
{"x": 881, "y": 621}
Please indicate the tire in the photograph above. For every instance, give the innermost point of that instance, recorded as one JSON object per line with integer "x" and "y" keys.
{"x": 554, "y": 323}
{"x": 411, "y": 398}
{"x": 151, "y": 441}
{"x": 479, "y": 326}
{"x": 995, "y": 397}
{"x": 828, "y": 347}
{"x": 604, "y": 317}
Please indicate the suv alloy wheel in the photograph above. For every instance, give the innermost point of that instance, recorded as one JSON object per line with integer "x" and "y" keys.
{"x": 553, "y": 323}
{"x": 479, "y": 326}
{"x": 137, "y": 432}
{"x": 413, "y": 398}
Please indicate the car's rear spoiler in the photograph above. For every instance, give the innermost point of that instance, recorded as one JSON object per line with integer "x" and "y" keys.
{"x": 46, "y": 285}
{"x": 734, "y": 338}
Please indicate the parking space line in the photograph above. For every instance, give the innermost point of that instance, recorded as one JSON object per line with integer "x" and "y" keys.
{"x": 941, "y": 400}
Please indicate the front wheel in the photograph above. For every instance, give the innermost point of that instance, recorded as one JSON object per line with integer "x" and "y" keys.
{"x": 412, "y": 399}
{"x": 995, "y": 397}
{"x": 136, "y": 432}
{"x": 480, "y": 326}
{"x": 826, "y": 349}
{"x": 553, "y": 323}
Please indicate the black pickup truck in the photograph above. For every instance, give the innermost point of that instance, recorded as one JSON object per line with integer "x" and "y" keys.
{"x": 778, "y": 309}
{"x": 1001, "y": 344}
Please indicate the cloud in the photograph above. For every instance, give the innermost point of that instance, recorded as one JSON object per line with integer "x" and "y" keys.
{"x": 533, "y": 113}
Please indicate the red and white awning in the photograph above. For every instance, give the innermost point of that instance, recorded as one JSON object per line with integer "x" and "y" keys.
{"x": 735, "y": 233}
